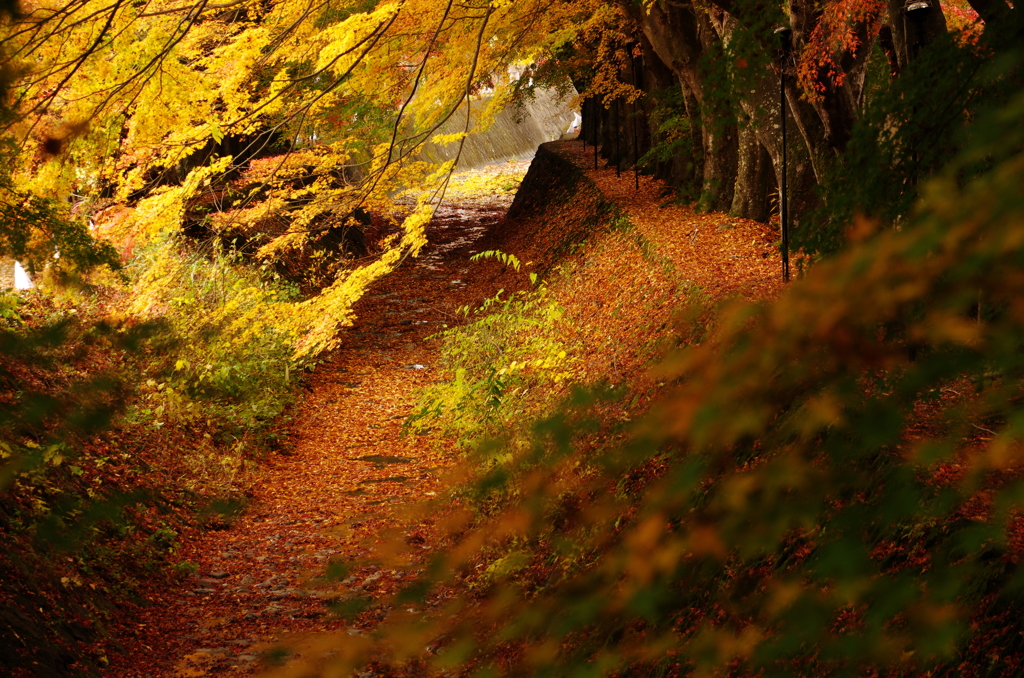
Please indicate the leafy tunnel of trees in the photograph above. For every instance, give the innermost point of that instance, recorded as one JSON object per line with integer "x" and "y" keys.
{"x": 206, "y": 172}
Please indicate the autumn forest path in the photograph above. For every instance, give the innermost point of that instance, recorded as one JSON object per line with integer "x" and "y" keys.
{"x": 340, "y": 486}
{"x": 337, "y": 489}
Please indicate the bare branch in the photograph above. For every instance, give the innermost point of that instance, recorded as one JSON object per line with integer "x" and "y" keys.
{"x": 197, "y": 8}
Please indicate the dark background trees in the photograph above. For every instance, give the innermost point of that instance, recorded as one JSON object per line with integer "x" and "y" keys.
{"x": 890, "y": 81}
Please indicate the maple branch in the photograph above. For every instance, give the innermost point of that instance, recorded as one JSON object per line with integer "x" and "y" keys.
{"x": 520, "y": 36}
{"x": 415, "y": 87}
{"x": 153, "y": 63}
{"x": 419, "y": 138}
{"x": 45, "y": 103}
{"x": 64, "y": 30}
{"x": 76, "y": 63}
{"x": 35, "y": 25}
{"x": 303, "y": 110}
{"x": 466, "y": 97}
{"x": 276, "y": 42}
{"x": 438, "y": 195}
{"x": 375, "y": 34}
{"x": 198, "y": 8}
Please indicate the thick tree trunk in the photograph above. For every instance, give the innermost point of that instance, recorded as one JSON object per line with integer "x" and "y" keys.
{"x": 753, "y": 177}
{"x": 760, "y": 137}
{"x": 681, "y": 35}
{"x": 803, "y": 194}
{"x": 821, "y": 156}
{"x": 838, "y": 107}
{"x": 637, "y": 137}
{"x": 991, "y": 11}
{"x": 885, "y": 39}
{"x": 622, "y": 135}
{"x": 695, "y": 163}
{"x": 658, "y": 77}
{"x": 721, "y": 137}
{"x": 720, "y": 160}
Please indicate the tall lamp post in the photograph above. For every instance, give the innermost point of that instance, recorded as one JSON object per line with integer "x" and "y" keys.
{"x": 638, "y": 84}
{"x": 918, "y": 11}
{"x": 785, "y": 36}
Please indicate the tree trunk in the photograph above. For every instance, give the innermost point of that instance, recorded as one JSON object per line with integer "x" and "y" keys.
{"x": 759, "y": 163}
{"x": 753, "y": 177}
{"x": 812, "y": 130}
{"x": 694, "y": 165}
{"x": 681, "y": 36}
{"x": 991, "y": 11}
{"x": 720, "y": 160}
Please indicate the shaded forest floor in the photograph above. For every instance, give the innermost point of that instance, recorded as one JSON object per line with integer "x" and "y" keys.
{"x": 720, "y": 255}
{"x": 341, "y": 485}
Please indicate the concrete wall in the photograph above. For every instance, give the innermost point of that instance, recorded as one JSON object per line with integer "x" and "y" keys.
{"x": 6, "y": 273}
{"x": 9, "y": 275}
{"x": 545, "y": 119}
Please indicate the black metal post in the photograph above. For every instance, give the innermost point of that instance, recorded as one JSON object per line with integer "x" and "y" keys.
{"x": 597, "y": 107}
{"x": 583, "y": 122}
{"x": 636, "y": 143}
{"x": 783, "y": 192}
{"x": 785, "y": 40}
{"x": 918, "y": 11}
{"x": 618, "y": 139}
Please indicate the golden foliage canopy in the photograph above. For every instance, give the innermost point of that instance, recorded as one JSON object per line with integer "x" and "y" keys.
{"x": 156, "y": 105}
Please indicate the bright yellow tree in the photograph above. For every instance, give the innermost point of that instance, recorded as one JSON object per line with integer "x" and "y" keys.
{"x": 144, "y": 109}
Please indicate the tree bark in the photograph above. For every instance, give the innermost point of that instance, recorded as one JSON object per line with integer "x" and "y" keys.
{"x": 753, "y": 177}
{"x": 885, "y": 39}
{"x": 694, "y": 164}
{"x": 681, "y": 35}
{"x": 759, "y": 134}
{"x": 659, "y": 77}
{"x": 991, "y": 11}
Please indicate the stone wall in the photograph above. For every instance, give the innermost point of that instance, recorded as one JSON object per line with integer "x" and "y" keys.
{"x": 6, "y": 273}
{"x": 544, "y": 119}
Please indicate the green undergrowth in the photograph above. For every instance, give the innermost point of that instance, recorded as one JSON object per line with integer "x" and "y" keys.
{"x": 120, "y": 430}
{"x": 504, "y": 365}
{"x": 231, "y": 371}
{"x": 521, "y": 353}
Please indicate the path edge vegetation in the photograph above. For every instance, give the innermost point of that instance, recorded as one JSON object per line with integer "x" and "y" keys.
{"x": 518, "y": 354}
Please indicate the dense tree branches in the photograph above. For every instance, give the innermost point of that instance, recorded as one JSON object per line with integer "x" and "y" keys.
{"x": 149, "y": 106}
{"x": 725, "y": 58}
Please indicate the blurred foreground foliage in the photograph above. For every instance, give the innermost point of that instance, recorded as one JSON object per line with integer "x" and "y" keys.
{"x": 119, "y": 407}
{"x": 827, "y": 484}
{"x": 119, "y": 431}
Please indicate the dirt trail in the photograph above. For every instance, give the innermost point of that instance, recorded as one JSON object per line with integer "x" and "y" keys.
{"x": 334, "y": 492}
{"x": 347, "y": 472}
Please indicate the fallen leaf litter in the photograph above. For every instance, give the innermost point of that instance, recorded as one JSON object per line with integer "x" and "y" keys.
{"x": 341, "y": 487}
